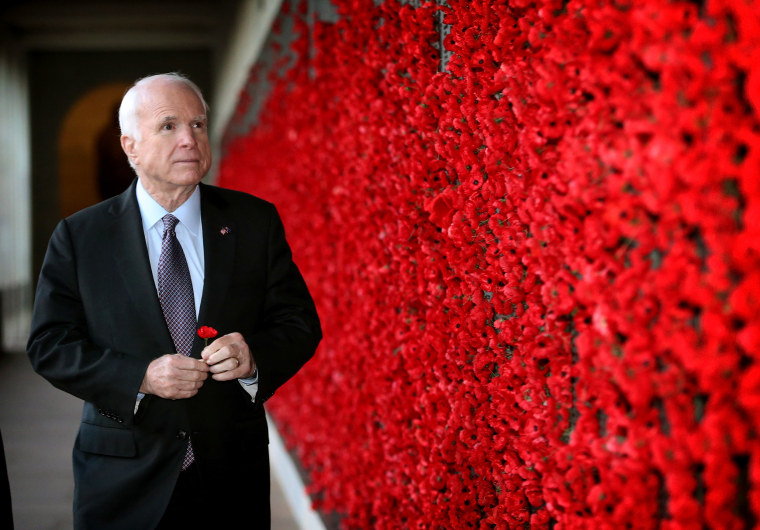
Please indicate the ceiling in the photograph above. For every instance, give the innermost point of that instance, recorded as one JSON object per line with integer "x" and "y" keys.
{"x": 104, "y": 25}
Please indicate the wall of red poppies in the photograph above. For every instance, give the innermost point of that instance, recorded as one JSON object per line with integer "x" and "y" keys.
{"x": 536, "y": 257}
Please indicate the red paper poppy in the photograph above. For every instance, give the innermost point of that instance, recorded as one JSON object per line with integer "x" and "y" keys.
{"x": 207, "y": 332}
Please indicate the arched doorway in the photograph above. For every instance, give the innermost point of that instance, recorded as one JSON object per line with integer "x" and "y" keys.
{"x": 91, "y": 165}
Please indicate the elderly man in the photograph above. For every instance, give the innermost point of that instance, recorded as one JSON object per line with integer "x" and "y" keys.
{"x": 173, "y": 432}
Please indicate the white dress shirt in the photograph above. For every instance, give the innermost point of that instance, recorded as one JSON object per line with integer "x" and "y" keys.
{"x": 189, "y": 232}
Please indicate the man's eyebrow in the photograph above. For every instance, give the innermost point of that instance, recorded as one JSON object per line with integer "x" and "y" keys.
{"x": 170, "y": 119}
{"x": 199, "y": 117}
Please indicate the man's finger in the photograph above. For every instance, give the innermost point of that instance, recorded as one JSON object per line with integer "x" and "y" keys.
{"x": 219, "y": 355}
{"x": 225, "y": 365}
{"x": 184, "y": 362}
{"x": 217, "y": 345}
{"x": 232, "y": 340}
{"x": 190, "y": 375}
{"x": 181, "y": 389}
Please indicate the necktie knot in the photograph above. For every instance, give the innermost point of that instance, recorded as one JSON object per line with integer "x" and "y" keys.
{"x": 170, "y": 223}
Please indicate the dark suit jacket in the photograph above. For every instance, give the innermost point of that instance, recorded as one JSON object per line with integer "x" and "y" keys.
{"x": 97, "y": 324}
{"x": 6, "y": 511}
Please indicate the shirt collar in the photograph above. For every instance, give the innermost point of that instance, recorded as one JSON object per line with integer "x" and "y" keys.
{"x": 189, "y": 214}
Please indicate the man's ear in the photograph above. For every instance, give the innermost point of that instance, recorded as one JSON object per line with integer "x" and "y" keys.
{"x": 128, "y": 145}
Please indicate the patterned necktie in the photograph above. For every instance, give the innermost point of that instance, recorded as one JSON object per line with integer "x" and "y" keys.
{"x": 175, "y": 292}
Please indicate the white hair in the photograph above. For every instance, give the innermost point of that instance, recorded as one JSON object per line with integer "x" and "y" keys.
{"x": 130, "y": 103}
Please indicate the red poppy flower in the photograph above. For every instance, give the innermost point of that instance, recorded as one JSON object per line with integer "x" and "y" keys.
{"x": 207, "y": 332}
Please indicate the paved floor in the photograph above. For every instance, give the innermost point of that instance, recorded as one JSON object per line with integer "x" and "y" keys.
{"x": 38, "y": 424}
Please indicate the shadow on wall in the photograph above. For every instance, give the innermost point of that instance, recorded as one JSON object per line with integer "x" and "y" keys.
{"x": 91, "y": 164}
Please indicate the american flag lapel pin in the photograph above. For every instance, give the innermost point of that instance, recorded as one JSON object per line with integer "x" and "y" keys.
{"x": 225, "y": 230}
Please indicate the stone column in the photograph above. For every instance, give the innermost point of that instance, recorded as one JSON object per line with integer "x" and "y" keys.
{"x": 15, "y": 200}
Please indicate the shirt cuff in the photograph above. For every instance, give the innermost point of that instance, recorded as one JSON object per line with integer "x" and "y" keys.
{"x": 251, "y": 380}
{"x": 140, "y": 395}
{"x": 251, "y": 388}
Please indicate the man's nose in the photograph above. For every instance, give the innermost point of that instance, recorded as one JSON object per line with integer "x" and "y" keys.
{"x": 186, "y": 137}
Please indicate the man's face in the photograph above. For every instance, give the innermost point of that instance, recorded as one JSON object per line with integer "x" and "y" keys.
{"x": 173, "y": 150}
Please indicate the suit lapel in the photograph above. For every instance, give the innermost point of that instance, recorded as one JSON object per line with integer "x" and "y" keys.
{"x": 219, "y": 238}
{"x": 131, "y": 261}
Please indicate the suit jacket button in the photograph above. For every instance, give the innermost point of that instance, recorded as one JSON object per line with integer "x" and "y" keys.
{"x": 181, "y": 434}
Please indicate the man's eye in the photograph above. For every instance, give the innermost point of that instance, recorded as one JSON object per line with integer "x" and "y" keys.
{"x": 199, "y": 125}
{"x": 167, "y": 127}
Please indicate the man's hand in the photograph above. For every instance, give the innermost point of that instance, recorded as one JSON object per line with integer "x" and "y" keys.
{"x": 174, "y": 376}
{"x": 229, "y": 357}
